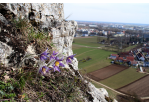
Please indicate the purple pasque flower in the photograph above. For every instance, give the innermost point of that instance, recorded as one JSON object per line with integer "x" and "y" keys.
{"x": 44, "y": 55}
{"x": 57, "y": 64}
{"x": 68, "y": 59}
{"x": 53, "y": 55}
{"x": 44, "y": 69}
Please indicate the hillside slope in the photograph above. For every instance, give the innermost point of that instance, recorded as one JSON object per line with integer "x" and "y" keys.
{"x": 29, "y": 33}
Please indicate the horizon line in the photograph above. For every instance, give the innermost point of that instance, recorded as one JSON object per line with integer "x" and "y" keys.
{"x": 113, "y": 22}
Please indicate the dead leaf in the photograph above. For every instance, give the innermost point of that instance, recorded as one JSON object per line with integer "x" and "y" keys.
{"x": 21, "y": 96}
{"x": 6, "y": 77}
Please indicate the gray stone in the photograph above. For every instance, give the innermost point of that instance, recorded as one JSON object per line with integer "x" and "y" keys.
{"x": 5, "y": 51}
{"x": 28, "y": 59}
{"x": 3, "y": 19}
{"x": 104, "y": 92}
{"x": 97, "y": 95}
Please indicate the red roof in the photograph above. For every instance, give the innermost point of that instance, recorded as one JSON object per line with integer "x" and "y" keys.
{"x": 125, "y": 60}
{"x": 125, "y": 54}
{"x": 130, "y": 58}
{"x": 119, "y": 58}
{"x": 114, "y": 55}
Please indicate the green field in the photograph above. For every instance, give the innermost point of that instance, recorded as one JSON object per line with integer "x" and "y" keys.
{"x": 130, "y": 47}
{"x": 91, "y": 41}
{"x": 123, "y": 78}
{"x": 98, "y": 58}
{"x": 97, "y": 66}
{"x": 74, "y": 47}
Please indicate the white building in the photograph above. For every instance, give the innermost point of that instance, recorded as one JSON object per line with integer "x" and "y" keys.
{"x": 93, "y": 26}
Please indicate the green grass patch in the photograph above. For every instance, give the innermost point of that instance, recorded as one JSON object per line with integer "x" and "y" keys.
{"x": 98, "y": 58}
{"x": 110, "y": 48}
{"x": 91, "y": 41}
{"x": 123, "y": 78}
{"x": 74, "y": 47}
{"x": 130, "y": 47}
{"x": 80, "y": 50}
{"x": 97, "y": 55}
{"x": 97, "y": 66}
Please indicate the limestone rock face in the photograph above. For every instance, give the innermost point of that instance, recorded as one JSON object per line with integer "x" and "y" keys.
{"x": 48, "y": 17}
{"x": 104, "y": 92}
{"x": 5, "y": 51}
{"x": 43, "y": 14}
{"x": 97, "y": 94}
{"x": 63, "y": 38}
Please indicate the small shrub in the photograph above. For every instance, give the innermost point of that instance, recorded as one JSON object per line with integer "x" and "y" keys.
{"x": 85, "y": 59}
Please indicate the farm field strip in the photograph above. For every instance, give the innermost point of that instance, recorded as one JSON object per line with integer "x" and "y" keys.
{"x": 112, "y": 92}
{"x": 84, "y": 52}
{"x": 122, "y": 78}
{"x": 96, "y": 56}
{"x": 87, "y": 41}
{"x": 75, "y": 47}
{"x": 91, "y": 44}
{"x": 106, "y": 72}
{"x": 87, "y": 46}
{"x": 81, "y": 50}
{"x": 96, "y": 66}
{"x": 140, "y": 87}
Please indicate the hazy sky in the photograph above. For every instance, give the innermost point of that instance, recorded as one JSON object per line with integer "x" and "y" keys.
{"x": 108, "y": 12}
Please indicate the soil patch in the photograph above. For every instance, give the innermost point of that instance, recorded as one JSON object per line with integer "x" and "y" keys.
{"x": 106, "y": 72}
{"x": 139, "y": 87}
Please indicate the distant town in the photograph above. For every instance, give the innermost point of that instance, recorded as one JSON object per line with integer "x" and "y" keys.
{"x": 112, "y": 29}
{"x": 121, "y": 34}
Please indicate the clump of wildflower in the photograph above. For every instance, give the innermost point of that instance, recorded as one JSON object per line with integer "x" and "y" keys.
{"x": 57, "y": 64}
{"x": 44, "y": 55}
{"x": 68, "y": 59}
{"x": 53, "y": 55}
{"x": 43, "y": 70}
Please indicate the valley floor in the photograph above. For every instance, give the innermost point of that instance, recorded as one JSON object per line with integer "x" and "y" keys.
{"x": 87, "y": 48}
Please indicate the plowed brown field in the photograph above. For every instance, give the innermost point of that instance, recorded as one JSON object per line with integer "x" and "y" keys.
{"x": 140, "y": 87}
{"x": 106, "y": 72}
